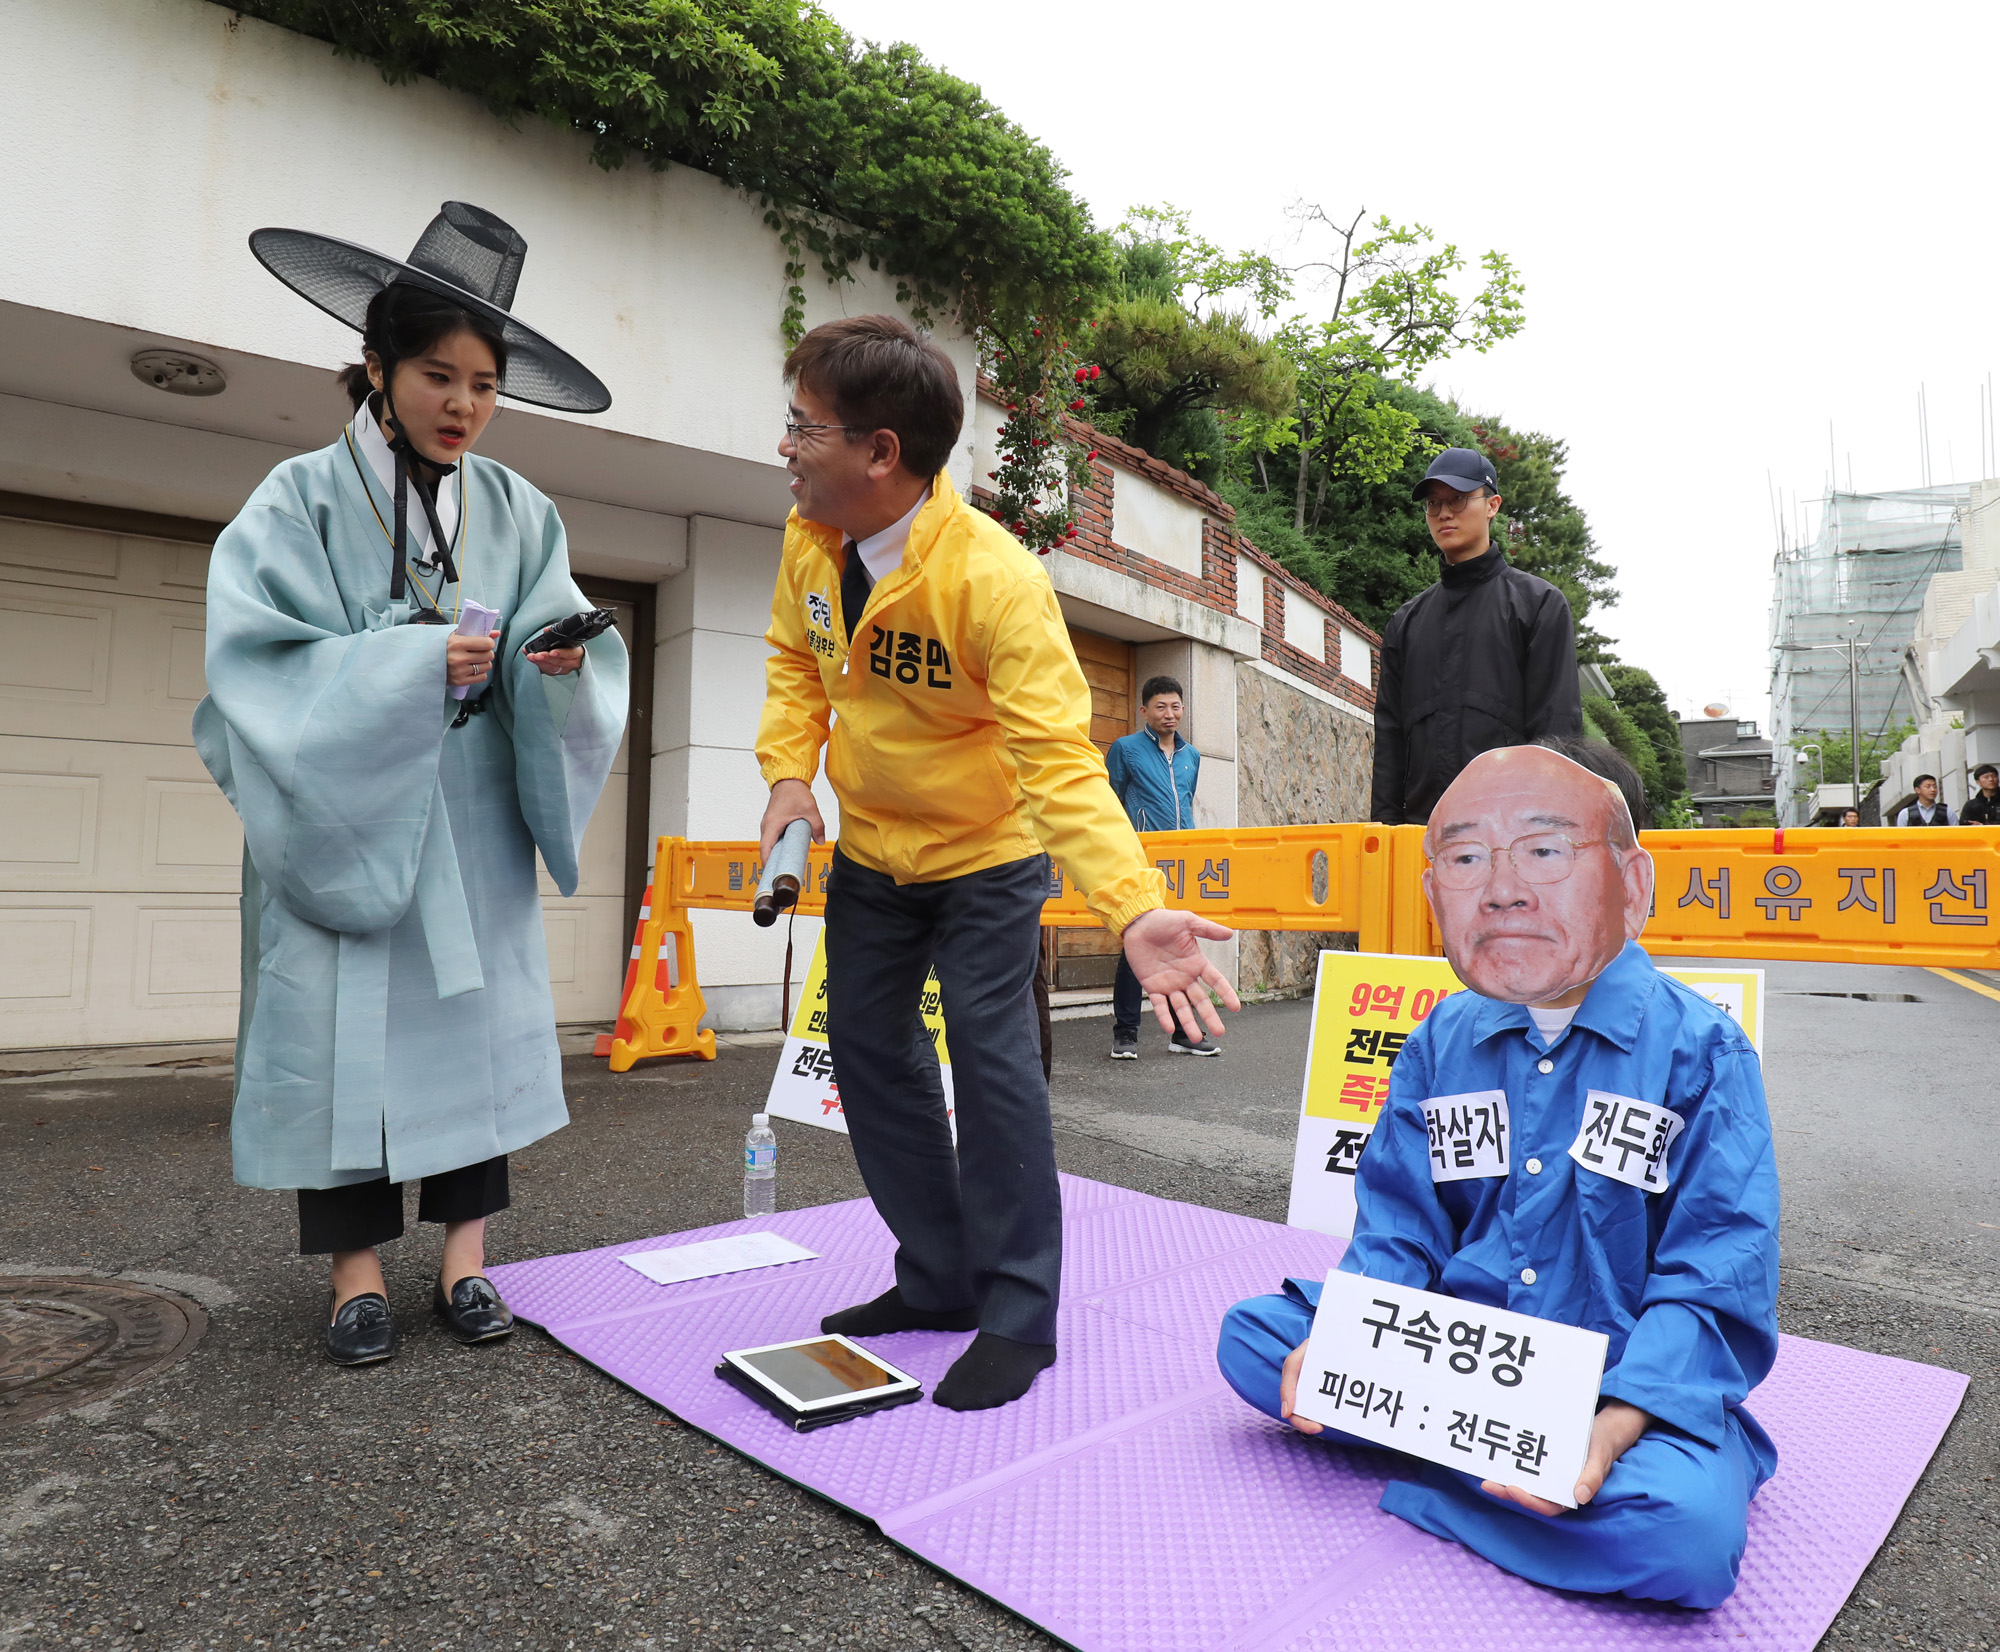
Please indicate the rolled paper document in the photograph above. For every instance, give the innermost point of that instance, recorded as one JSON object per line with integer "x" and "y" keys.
{"x": 473, "y": 621}
{"x": 782, "y": 879}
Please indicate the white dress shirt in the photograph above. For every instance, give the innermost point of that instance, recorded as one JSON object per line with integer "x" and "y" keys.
{"x": 882, "y": 552}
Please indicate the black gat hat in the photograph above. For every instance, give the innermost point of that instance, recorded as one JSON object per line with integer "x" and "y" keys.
{"x": 469, "y": 255}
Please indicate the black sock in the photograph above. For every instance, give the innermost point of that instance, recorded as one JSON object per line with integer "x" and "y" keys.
{"x": 993, "y": 1371}
{"x": 889, "y": 1313}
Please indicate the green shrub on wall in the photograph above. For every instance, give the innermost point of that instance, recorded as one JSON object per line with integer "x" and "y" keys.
{"x": 857, "y": 153}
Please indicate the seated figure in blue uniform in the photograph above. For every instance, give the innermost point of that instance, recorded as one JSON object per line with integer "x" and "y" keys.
{"x": 1541, "y": 891}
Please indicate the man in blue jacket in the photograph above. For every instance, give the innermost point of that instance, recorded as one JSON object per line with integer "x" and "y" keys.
{"x": 1153, "y": 771}
{"x": 1635, "y": 1194}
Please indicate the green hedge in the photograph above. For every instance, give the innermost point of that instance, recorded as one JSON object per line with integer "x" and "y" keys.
{"x": 857, "y": 153}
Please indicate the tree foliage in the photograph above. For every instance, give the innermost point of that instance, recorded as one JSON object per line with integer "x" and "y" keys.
{"x": 1394, "y": 313}
{"x": 1836, "y": 754}
{"x": 1370, "y": 550}
{"x": 857, "y": 153}
{"x": 1172, "y": 355}
{"x": 1644, "y": 703}
{"x": 1545, "y": 531}
{"x": 1608, "y": 721}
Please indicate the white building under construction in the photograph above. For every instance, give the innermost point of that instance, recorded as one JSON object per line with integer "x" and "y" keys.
{"x": 1867, "y": 579}
{"x": 1953, "y": 665}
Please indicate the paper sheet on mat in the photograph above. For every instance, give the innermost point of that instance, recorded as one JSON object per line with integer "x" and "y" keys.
{"x": 737, "y": 1254}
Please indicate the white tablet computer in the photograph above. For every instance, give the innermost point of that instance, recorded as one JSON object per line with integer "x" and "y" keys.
{"x": 821, "y": 1374}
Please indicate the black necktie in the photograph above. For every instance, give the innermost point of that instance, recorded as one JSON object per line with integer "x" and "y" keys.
{"x": 855, "y": 584}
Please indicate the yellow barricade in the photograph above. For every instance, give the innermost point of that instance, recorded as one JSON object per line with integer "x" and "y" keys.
{"x": 722, "y": 876}
{"x": 1913, "y": 896}
{"x": 663, "y": 1004}
{"x": 1249, "y": 877}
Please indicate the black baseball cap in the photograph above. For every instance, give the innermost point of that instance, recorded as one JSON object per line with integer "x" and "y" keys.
{"x": 1461, "y": 468}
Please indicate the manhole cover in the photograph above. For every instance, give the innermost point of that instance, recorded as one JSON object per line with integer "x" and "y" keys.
{"x": 66, "y": 1342}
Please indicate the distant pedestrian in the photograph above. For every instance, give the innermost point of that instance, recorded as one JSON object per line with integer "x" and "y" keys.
{"x": 1850, "y": 817}
{"x": 1484, "y": 658}
{"x": 1154, "y": 772}
{"x": 1983, "y": 809}
{"x": 1927, "y": 810}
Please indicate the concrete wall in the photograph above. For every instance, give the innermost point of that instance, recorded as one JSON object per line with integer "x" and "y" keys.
{"x": 1148, "y": 519}
{"x": 1303, "y": 756}
{"x": 709, "y": 690}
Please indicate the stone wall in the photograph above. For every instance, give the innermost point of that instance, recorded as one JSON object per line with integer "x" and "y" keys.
{"x": 1299, "y": 760}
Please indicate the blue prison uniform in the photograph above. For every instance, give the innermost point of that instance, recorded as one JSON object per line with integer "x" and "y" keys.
{"x": 1682, "y": 1280}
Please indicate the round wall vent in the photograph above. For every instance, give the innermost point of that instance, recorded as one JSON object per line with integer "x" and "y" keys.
{"x": 178, "y": 373}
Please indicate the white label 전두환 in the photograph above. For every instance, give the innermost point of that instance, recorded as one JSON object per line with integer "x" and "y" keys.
{"x": 1502, "y": 1395}
{"x": 1626, "y": 1140}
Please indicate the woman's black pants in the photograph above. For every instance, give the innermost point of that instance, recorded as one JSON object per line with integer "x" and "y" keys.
{"x": 365, "y": 1214}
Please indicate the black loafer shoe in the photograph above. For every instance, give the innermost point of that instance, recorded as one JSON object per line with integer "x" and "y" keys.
{"x": 362, "y": 1332}
{"x": 473, "y": 1312}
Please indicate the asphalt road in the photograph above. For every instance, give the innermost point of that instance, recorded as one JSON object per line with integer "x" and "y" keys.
{"x": 511, "y": 1496}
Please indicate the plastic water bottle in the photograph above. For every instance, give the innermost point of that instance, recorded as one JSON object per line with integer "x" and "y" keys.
{"x": 760, "y": 1167}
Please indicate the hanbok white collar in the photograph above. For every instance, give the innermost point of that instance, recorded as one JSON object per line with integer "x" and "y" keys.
{"x": 374, "y": 448}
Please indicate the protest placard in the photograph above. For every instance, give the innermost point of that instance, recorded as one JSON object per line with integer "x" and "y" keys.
{"x": 1366, "y": 1006}
{"x": 803, "y": 1089}
{"x": 1739, "y": 992}
{"x": 1501, "y": 1395}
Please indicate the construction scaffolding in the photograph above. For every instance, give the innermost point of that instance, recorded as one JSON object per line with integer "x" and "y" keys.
{"x": 1862, "y": 577}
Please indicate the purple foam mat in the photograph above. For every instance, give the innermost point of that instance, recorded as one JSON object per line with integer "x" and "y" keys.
{"x": 1131, "y": 1503}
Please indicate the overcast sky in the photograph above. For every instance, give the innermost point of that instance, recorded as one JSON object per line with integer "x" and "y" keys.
{"x": 1735, "y": 224}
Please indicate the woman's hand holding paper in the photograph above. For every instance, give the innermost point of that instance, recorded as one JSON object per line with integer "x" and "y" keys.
{"x": 467, "y": 660}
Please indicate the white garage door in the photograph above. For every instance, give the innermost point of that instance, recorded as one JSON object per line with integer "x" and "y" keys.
{"x": 119, "y": 859}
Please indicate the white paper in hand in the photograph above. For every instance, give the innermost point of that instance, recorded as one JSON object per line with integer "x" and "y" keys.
{"x": 1490, "y": 1392}
{"x": 707, "y": 1258}
{"x": 473, "y": 621}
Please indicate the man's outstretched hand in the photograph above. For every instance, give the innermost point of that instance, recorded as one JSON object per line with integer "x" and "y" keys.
{"x": 1615, "y": 1432}
{"x": 1160, "y": 947}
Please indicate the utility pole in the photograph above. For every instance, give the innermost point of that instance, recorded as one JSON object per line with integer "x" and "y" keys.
{"x": 1854, "y": 716}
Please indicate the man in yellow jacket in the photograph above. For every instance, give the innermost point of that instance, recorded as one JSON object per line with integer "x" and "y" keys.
{"x": 921, "y": 646}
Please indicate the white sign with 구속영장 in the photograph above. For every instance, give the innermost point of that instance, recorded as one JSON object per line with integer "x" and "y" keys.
{"x": 1497, "y": 1394}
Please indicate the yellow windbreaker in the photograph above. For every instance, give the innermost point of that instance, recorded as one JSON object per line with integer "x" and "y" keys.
{"x": 962, "y": 735}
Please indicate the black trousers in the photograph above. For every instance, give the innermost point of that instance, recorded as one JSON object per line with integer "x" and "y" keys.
{"x": 980, "y": 1226}
{"x": 364, "y": 1214}
{"x": 1128, "y": 1003}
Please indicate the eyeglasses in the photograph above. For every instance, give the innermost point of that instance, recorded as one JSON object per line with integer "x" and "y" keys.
{"x": 1540, "y": 857}
{"x": 794, "y": 429}
{"x": 1446, "y": 504}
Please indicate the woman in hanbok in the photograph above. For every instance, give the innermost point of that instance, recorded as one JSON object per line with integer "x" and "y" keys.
{"x": 397, "y": 764}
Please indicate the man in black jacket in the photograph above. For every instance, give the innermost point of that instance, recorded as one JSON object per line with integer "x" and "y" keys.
{"x": 1983, "y": 807}
{"x": 1484, "y": 658}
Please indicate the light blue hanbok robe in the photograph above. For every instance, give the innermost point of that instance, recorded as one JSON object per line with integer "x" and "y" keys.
{"x": 396, "y": 1014}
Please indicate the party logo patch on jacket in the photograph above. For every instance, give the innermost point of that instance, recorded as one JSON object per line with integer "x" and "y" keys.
{"x": 819, "y": 623}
